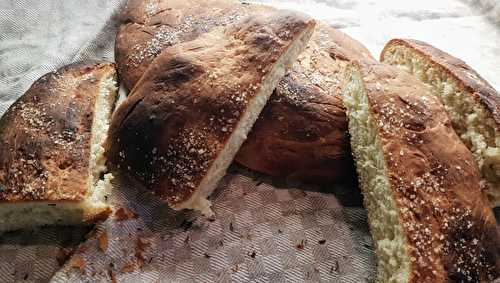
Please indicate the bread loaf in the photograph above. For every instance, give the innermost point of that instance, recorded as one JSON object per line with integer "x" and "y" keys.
{"x": 52, "y": 168}
{"x": 428, "y": 217}
{"x": 472, "y": 104}
{"x": 186, "y": 118}
{"x": 301, "y": 133}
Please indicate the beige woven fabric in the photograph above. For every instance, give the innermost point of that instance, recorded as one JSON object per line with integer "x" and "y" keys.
{"x": 260, "y": 233}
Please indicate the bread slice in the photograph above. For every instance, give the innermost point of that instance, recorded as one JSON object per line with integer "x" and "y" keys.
{"x": 187, "y": 117}
{"x": 52, "y": 165}
{"x": 428, "y": 217}
{"x": 472, "y": 104}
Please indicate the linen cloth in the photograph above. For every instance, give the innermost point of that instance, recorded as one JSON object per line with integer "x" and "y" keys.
{"x": 264, "y": 230}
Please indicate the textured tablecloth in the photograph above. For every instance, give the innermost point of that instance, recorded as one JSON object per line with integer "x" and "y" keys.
{"x": 264, "y": 231}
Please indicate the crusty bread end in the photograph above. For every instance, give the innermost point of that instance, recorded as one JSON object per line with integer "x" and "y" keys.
{"x": 28, "y": 212}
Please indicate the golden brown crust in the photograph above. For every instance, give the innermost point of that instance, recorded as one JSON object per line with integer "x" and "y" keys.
{"x": 149, "y": 26}
{"x": 450, "y": 229}
{"x": 306, "y": 141}
{"x": 183, "y": 110}
{"x": 45, "y": 136}
{"x": 302, "y": 132}
{"x": 469, "y": 79}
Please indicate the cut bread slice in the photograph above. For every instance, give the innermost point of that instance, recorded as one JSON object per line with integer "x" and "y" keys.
{"x": 189, "y": 114}
{"x": 472, "y": 104}
{"x": 429, "y": 220}
{"x": 52, "y": 164}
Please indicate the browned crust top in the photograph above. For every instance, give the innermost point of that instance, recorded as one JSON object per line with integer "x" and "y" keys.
{"x": 183, "y": 110}
{"x": 450, "y": 228}
{"x": 468, "y": 78}
{"x": 45, "y": 136}
{"x": 150, "y": 26}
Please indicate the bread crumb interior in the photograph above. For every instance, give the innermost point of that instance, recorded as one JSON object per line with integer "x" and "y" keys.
{"x": 393, "y": 263}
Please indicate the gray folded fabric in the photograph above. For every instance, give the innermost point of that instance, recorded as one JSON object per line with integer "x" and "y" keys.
{"x": 37, "y": 37}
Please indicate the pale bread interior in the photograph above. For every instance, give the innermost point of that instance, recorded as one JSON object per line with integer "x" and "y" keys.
{"x": 31, "y": 214}
{"x": 472, "y": 122}
{"x": 393, "y": 262}
{"x": 198, "y": 200}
